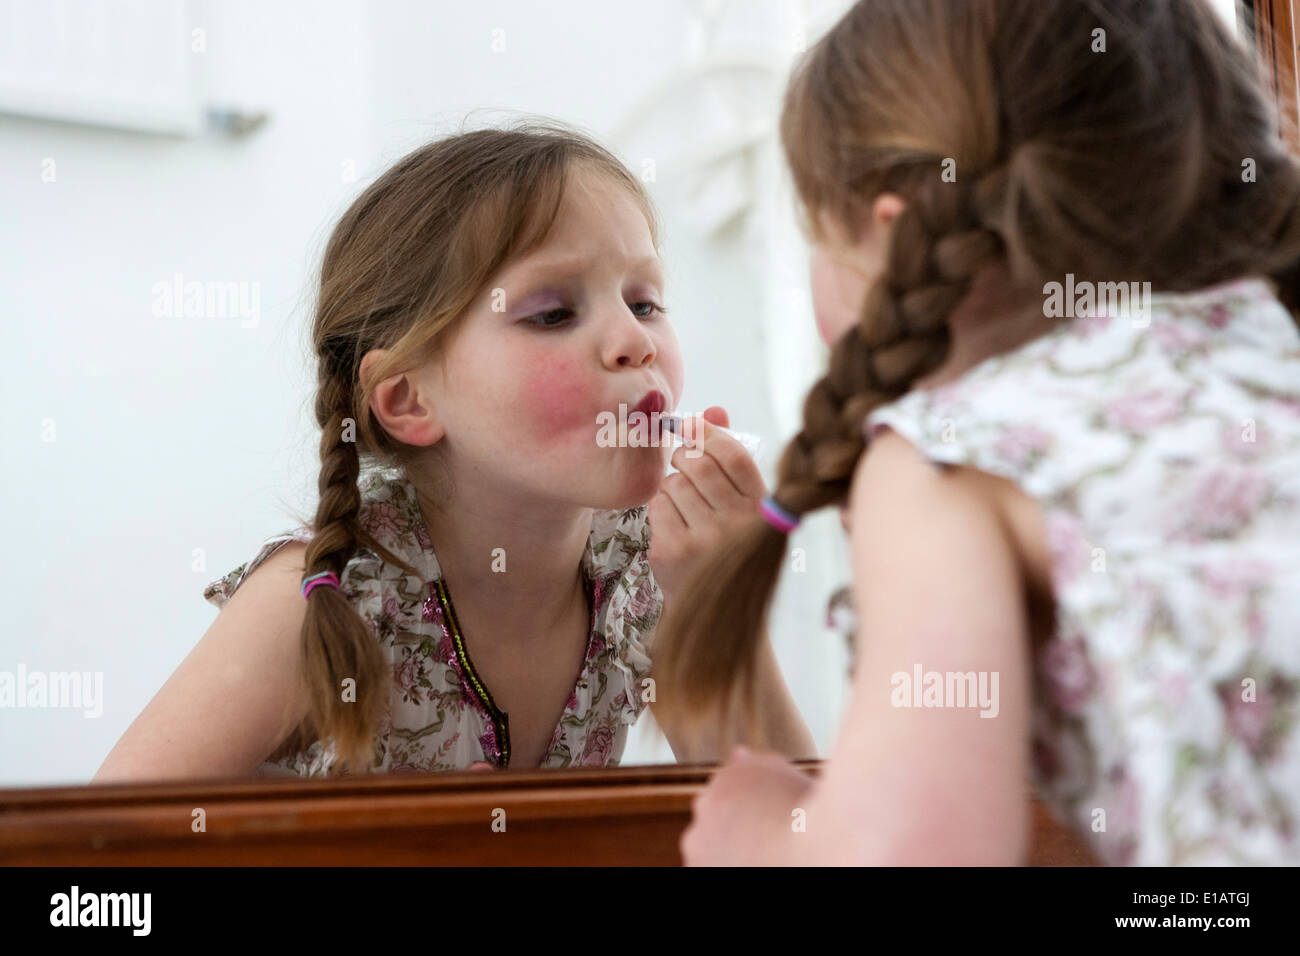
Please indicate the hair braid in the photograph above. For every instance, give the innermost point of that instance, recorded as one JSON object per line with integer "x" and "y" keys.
{"x": 337, "y": 644}
{"x": 937, "y": 247}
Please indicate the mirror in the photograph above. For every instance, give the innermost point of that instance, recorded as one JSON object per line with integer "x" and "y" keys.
{"x": 188, "y": 164}
{"x": 184, "y": 167}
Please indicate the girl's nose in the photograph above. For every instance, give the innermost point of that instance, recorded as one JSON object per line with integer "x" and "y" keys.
{"x": 628, "y": 342}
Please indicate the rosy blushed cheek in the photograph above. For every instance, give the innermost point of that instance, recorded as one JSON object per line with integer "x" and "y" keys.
{"x": 829, "y": 315}
{"x": 824, "y": 326}
{"x": 824, "y": 305}
{"x": 671, "y": 368}
{"x": 556, "y": 398}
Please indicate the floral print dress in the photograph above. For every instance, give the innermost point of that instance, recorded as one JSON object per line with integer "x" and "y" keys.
{"x": 1164, "y": 451}
{"x": 441, "y": 716}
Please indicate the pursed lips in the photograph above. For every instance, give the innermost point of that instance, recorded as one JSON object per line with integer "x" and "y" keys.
{"x": 652, "y": 402}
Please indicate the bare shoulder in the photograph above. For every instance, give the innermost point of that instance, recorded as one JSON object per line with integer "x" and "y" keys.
{"x": 894, "y": 472}
{"x": 237, "y": 694}
{"x": 926, "y": 540}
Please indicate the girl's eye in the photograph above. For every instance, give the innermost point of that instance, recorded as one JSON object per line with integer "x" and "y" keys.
{"x": 650, "y": 309}
{"x": 556, "y": 317}
{"x": 550, "y": 319}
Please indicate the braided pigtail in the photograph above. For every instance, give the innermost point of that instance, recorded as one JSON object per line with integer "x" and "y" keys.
{"x": 706, "y": 655}
{"x": 337, "y": 644}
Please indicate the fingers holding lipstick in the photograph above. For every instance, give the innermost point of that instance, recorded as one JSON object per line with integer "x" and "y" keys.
{"x": 716, "y": 488}
{"x": 701, "y": 487}
{"x": 689, "y": 506}
{"x": 710, "y": 457}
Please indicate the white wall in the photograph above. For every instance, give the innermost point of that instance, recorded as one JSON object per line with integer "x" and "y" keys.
{"x": 1228, "y": 10}
{"x": 171, "y": 435}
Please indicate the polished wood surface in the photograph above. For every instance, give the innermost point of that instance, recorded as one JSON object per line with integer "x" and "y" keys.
{"x": 1275, "y": 45}
{"x": 602, "y": 817}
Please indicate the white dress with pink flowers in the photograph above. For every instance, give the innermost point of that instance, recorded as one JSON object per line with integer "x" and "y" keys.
{"x": 441, "y": 715}
{"x": 1164, "y": 450}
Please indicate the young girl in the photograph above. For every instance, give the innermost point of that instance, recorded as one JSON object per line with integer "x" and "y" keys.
{"x": 1075, "y": 526}
{"x": 483, "y": 306}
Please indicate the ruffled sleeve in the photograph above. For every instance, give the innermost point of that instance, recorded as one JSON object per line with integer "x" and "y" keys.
{"x": 842, "y": 619}
{"x": 218, "y": 592}
{"x": 630, "y": 602}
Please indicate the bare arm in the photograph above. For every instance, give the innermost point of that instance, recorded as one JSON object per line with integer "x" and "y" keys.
{"x": 234, "y": 698}
{"x": 936, "y": 586}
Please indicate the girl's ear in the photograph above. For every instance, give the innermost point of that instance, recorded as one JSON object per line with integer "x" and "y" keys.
{"x": 404, "y": 404}
{"x": 885, "y": 209}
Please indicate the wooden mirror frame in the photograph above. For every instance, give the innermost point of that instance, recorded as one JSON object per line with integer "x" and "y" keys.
{"x": 587, "y": 817}
{"x": 1271, "y": 25}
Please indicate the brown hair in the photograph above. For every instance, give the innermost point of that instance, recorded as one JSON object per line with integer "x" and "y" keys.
{"x": 1127, "y": 162}
{"x": 409, "y": 256}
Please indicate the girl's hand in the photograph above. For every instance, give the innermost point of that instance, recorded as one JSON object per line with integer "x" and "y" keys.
{"x": 747, "y": 814}
{"x": 717, "y": 488}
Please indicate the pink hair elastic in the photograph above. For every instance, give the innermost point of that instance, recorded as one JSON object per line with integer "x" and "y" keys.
{"x": 776, "y": 516}
{"x": 325, "y": 577}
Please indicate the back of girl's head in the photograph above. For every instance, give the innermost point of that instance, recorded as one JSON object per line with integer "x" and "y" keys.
{"x": 1112, "y": 139}
{"x": 409, "y": 256}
